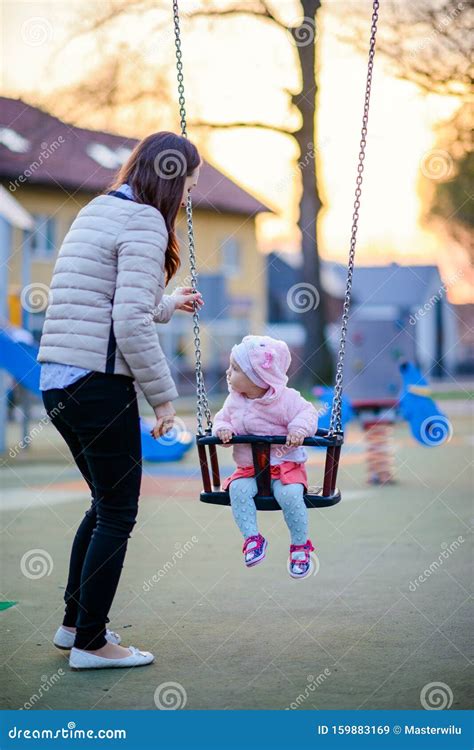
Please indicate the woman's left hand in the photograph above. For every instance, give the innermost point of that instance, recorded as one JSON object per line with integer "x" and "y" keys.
{"x": 184, "y": 298}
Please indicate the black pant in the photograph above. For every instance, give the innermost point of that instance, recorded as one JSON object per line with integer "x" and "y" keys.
{"x": 98, "y": 418}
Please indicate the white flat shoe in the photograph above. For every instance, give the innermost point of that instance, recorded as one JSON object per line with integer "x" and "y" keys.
{"x": 64, "y": 639}
{"x": 82, "y": 660}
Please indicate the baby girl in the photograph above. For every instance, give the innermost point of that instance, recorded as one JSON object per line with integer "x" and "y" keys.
{"x": 260, "y": 403}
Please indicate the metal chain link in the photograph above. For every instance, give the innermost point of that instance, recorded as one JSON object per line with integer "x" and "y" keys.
{"x": 202, "y": 401}
{"x": 202, "y": 406}
{"x": 336, "y": 412}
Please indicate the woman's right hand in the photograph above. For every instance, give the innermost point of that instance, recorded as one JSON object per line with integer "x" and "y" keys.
{"x": 165, "y": 414}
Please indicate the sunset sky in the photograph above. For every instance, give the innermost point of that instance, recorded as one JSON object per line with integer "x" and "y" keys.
{"x": 239, "y": 70}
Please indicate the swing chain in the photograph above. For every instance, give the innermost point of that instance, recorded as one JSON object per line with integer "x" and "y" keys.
{"x": 335, "y": 425}
{"x": 202, "y": 402}
{"x": 179, "y": 69}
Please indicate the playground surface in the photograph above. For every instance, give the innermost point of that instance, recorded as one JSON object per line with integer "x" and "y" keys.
{"x": 387, "y": 613}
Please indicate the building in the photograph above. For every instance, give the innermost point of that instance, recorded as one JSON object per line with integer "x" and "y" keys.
{"x": 53, "y": 169}
{"x": 397, "y": 311}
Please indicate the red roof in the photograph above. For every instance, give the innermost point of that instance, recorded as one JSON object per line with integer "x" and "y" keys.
{"x": 48, "y": 151}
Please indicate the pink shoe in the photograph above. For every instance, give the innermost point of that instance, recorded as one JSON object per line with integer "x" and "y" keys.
{"x": 256, "y": 553}
{"x": 300, "y": 568}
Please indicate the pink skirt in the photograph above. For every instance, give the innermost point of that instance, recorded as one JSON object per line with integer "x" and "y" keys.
{"x": 288, "y": 472}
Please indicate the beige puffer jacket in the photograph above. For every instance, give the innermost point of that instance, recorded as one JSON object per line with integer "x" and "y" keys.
{"x": 107, "y": 293}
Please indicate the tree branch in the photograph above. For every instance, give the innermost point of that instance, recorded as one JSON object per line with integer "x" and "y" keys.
{"x": 261, "y": 9}
{"x": 426, "y": 43}
{"x": 229, "y": 125}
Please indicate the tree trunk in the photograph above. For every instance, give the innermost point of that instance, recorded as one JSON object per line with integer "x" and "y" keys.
{"x": 317, "y": 366}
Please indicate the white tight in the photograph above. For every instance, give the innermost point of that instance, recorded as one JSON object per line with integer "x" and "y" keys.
{"x": 288, "y": 496}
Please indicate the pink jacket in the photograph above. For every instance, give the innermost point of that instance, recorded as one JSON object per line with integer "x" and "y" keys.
{"x": 278, "y": 412}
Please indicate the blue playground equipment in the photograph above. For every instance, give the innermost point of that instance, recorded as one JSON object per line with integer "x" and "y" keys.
{"x": 170, "y": 447}
{"x": 428, "y": 424}
{"x": 377, "y": 416}
{"x": 325, "y": 396}
{"x": 19, "y": 359}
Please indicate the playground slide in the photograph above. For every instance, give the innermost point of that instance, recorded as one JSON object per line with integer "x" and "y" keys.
{"x": 19, "y": 359}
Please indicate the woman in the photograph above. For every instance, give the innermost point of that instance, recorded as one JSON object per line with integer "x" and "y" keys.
{"x": 99, "y": 337}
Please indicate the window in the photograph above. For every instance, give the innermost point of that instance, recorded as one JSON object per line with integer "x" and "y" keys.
{"x": 43, "y": 236}
{"x": 230, "y": 255}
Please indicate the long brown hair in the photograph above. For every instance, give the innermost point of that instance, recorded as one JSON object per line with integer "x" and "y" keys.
{"x": 156, "y": 171}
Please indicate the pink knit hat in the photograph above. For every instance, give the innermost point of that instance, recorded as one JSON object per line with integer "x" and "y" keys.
{"x": 264, "y": 360}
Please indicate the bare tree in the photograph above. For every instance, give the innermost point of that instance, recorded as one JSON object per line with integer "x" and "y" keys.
{"x": 110, "y": 100}
{"x": 428, "y": 42}
{"x": 301, "y": 38}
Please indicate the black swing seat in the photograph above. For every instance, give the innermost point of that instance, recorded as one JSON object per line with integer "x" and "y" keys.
{"x": 316, "y": 497}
